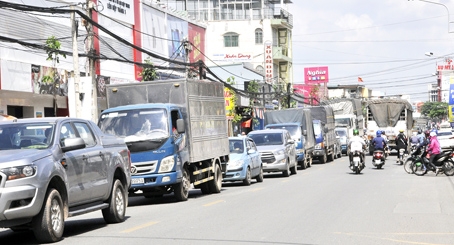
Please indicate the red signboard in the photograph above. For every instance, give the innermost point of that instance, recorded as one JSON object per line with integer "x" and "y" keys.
{"x": 197, "y": 38}
{"x": 315, "y": 75}
{"x": 269, "y": 62}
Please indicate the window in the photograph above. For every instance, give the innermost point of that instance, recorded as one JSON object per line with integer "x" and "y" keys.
{"x": 85, "y": 133}
{"x": 66, "y": 132}
{"x": 231, "y": 39}
{"x": 258, "y": 36}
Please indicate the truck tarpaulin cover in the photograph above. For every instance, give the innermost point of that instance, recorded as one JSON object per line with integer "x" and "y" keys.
{"x": 325, "y": 114}
{"x": 344, "y": 106}
{"x": 298, "y": 115}
{"x": 386, "y": 112}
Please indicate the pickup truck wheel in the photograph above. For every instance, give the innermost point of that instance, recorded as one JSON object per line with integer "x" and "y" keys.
{"x": 49, "y": 224}
{"x": 248, "y": 179}
{"x": 215, "y": 185}
{"x": 182, "y": 189}
{"x": 115, "y": 213}
{"x": 259, "y": 177}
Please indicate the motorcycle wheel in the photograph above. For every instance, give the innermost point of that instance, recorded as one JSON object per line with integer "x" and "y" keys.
{"x": 448, "y": 168}
{"x": 419, "y": 168}
{"x": 408, "y": 166}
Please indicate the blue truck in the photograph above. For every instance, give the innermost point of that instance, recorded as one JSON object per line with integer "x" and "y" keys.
{"x": 326, "y": 141}
{"x": 298, "y": 122}
{"x": 176, "y": 131}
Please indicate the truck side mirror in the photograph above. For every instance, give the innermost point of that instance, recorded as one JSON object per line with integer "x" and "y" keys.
{"x": 304, "y": 132}
{"x": 325, "y": 129}
{"x": 180, "y": 126}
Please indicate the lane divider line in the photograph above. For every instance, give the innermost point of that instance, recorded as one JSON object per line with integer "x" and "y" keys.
{"x": 140, "y": 227}
{"x": 213, "y": 203}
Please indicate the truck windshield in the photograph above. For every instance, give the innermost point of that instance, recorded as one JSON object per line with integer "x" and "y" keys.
{"x": 317, "y": 129}
{"x": 136, "y": 125}
{"x": 26, "y": 136}
{"x": 341, "y": 133}
{"x": 342, "y": 122}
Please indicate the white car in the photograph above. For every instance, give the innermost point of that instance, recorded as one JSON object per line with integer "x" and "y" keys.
{"x": 446, "y": 138}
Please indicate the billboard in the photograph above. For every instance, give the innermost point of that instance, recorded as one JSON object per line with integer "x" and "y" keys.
{"x": 316, "y": 75}
{"x": 153, "y": 23}
{"x": 196, "y": 38}
{"x": 177, "y": 31}
{"x": 308, "y": 92}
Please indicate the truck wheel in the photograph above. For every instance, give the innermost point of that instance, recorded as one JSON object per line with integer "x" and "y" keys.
{"x": 323, "y": 158}
{"x": 309, "y": 162}
{"x": 205, "y": 188}
{"x": 49, "y": 224}
{"x": 215, "y": 185}
{"x": 331, "y": 156}
{"x": 294, "y": 169}
{"x": 115, "y": 213}
{"x": 259, "y": 177}
{"x": 181, "y": 190}
{"x": 247, "y": 180}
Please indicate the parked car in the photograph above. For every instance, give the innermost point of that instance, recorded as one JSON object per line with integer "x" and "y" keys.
{"x": 277, "y": 149}
{"x": 342, "y": 133}
{"x": 446, "y": 138}
{"x": 244, "y": 161}
{"x": 55, "y": 168}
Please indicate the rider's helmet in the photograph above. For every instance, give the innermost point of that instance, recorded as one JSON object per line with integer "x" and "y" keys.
{"x": 401, "y": 130}
{"x": 378, "y": 133}
{"x": 355, "y": 132}
{"x": 419, "y": 131}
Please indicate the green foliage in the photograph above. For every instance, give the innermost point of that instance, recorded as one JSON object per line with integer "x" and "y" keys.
{"x": 53, "y": 50}
{"x": 435, "y": 110}
{"x": 149, "y": 72}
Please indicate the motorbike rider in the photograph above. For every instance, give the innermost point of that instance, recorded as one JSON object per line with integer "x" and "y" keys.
{"x": 401, "y": 142}
{"x": 414, "y": 139}
{"x": 357, "y": 138}
{"x": 434, "y": 149}
{"x": 422, "y": 137}
{"x": 379, "y": 142}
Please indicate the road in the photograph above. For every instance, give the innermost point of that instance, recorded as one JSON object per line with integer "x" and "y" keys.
{"x": 325, "y": 204}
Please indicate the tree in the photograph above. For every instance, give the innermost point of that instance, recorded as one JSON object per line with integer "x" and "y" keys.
{"x": 149, "y": 72}
{"x": 53, "y": 54}
{"x": 435, "y": 110}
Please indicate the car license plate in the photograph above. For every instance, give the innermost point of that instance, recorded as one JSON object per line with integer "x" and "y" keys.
{"x": 356, "y": 159}
{"x": 137, "y": 181}
{"x": 377, "y": 161}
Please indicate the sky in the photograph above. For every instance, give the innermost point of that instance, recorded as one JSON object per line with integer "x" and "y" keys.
{"x": 384, "y": 42}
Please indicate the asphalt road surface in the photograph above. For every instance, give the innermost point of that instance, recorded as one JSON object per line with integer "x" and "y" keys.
{"x": 325, "y": 204}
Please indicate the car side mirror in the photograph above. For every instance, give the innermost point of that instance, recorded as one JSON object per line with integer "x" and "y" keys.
{"x": 71, "y": 144}
{"x": 290, "y": 142}
{"x": 325, "y": 129}
{"x": 251, "y": 151}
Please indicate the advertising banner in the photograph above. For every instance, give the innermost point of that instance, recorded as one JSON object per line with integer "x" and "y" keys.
{"x": 153, "y": 23}
{"x": 43, "y": 79}
{"x": 229, "y": 103}
{"x": 316, "y": 75}
{"x": 177, "y": 31}
{"x": 451, "y": 94}
{"x": 269, "y": 72}
{"x": 120, "y": 9}
{"x": 196, "y": 38}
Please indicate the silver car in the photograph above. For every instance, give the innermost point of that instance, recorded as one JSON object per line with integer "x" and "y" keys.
{"x": 277, "y": 150}
{"x": 55, "y": 168}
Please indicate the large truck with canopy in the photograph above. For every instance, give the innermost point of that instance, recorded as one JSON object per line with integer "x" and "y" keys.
{"x": 299, "y": 123}
{"x": 176, "y": 131}
{"x": 389, "y": 116}
{"x": 348, "y": 113}
{"x": 326, "y": 141}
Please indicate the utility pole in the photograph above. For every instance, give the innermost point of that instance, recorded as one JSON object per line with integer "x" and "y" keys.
{"x": 91, "y": 55}
{"x": 76, "y": 75}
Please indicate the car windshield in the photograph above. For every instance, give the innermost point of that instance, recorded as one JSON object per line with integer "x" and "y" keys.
{"x": 294, "y": 130}
{"x": 444, "y": 133}
{"x": 26, "y": 135}
{"x": 267, "y": 139}
{"x": 236, "y": 146}
{"x": 136, "y": 125}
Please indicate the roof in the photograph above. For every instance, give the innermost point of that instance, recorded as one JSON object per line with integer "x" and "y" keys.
{"x": 265, "y": 131}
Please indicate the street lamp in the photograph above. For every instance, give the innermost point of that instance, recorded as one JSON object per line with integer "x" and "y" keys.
{"x": 449, "y": 16}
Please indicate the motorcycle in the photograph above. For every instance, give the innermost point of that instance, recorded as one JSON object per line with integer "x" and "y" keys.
{"x": 443, "y": 163}
{"x": 415, "y": 153}
{"x": 357, "y": 156}
{"x": 378, "y": 158}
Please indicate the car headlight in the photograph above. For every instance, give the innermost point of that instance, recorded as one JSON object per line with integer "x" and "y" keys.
{"x": 318, "y": 146}
{"x": 166, "y": 164}
{"x": 235, "y": 164}
{"x": 19, "y": 172}
{"x": 279, "y": 152}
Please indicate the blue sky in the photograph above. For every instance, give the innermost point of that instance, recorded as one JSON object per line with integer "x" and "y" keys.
{"x": 383, "y": 42}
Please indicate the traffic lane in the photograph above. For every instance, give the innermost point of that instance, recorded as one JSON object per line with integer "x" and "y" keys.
{"x": 325, "y": 204}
